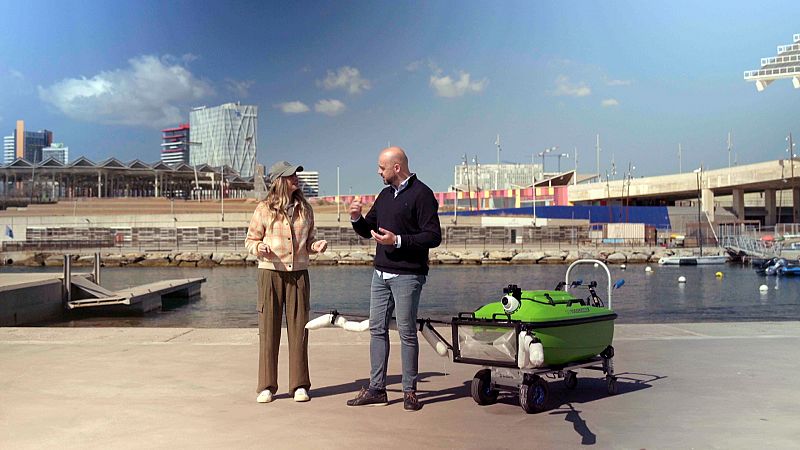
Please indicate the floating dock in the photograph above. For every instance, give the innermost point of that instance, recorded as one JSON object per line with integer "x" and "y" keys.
{"x": 31, "y": 298}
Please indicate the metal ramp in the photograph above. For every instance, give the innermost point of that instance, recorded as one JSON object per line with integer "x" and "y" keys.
{"x": 84, "y": 291}
{"x": 145, "y": 297}
{"x": 750, "y": 246}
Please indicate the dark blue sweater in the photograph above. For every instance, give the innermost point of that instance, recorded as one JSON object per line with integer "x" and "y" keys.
{"x": 413, "y": 215}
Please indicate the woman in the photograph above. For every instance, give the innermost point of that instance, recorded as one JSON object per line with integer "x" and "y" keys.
{"x": 281, "y": 234}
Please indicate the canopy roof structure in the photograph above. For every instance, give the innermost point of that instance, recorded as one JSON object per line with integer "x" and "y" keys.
{"x": 785, "y": 65}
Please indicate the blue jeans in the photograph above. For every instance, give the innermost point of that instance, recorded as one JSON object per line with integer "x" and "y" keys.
{"x": 399, "y": 295}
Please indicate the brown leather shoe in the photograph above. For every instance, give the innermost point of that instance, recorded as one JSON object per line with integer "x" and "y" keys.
{"x": 369, "y": 397}
{"x": 411, "y": 402}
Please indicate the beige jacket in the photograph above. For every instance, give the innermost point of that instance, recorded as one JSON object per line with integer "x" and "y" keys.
{"x": 289, "y": 243}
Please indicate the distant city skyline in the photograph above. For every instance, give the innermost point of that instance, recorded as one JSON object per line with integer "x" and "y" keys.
{"x": 335, "y": 82}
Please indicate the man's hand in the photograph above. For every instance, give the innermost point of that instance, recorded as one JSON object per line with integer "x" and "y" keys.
{"x": 385, "y": 237}
{"x": 263, "y": 250}
{"x": 320, "y": 246}
{"x": 355, "y": 208}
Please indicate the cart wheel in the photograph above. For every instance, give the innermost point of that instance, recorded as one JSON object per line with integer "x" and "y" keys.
{"x": 482, "y": 391}
{"x": 533, "y": 395}
{"x": 611, "y": 385}
{"x": 571, "y": 380}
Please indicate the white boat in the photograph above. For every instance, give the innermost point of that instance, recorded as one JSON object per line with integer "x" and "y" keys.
{"x": 692, "y": 260}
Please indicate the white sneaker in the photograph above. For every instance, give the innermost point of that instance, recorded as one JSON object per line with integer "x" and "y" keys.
{"x": 300, "y": 395}
{"x": 264, "y": 396}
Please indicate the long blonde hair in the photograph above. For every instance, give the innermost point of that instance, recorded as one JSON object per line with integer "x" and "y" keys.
{"x": 278, "y": 199}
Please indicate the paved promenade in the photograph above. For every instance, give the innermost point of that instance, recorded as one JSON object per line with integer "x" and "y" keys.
{"x": 731, "y": 385}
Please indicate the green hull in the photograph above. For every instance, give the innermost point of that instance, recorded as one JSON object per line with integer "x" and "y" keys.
{"x": 568, "y": 330}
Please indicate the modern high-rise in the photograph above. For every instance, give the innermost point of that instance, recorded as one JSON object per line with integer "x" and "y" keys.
{"x": 309, "y": 183}
{"x": 28, "y": 145}
{"x": 9, "y": 155}
{"x": 224, "y": 135}
{"x": 175, "y": 148}
{"x": 57, "y": 151}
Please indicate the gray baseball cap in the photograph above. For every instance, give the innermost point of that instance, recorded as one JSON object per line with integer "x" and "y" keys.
{"x": 283, "y": 169}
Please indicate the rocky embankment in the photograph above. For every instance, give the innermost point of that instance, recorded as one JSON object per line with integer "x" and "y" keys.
{"x": 349, "y": 257}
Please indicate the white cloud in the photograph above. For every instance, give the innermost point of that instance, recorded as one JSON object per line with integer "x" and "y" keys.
{"x": 564, "y": 87}
{"x": 609, "y": 102}
{"x": 295, "y": 107}
{"x": 238, "y": 88}
{"x": 152, "y": 91}
{"x": 16, "y": 74}
{"x": 444, "y": 86}
{"x": 346, "y": 77}
{"x": 415, "y": 65}
{"x": 619, "y": 82}
{"x": 329, "y": 107}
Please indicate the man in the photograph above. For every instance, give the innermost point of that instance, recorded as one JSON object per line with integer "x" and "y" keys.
{"x": 404, "y": 222}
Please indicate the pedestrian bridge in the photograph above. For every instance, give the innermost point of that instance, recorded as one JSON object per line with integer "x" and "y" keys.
{"x": 768, "y": 177}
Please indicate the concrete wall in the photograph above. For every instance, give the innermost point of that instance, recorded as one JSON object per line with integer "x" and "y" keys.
{"x": 27, "y": 303}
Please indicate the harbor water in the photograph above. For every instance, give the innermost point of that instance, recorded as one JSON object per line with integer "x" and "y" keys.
{"x": 229, "y": 295}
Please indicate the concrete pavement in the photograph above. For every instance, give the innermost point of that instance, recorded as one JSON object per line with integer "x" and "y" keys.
{"x": 718, "y": 385}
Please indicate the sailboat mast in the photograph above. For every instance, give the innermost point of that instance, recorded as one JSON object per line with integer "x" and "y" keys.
{"x": 699, "y": 195}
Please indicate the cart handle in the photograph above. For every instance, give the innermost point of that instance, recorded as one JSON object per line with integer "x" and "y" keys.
{"x": 590, "y": 261}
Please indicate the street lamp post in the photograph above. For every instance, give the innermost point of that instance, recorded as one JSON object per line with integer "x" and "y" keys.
{"x": 597, "y": 150}
{"x": 222, "y": 193}
{"x": 543, "y": 154}
{"x": 455, "y": 203}
{"x": 338, "y": 210}
{"x": 533, "y": 188}
{"x": 631, "y": 168}
{"x": 790, "y": 150}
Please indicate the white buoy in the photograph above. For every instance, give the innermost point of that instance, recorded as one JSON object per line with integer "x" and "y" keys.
{"x": 763, "y": 288}
{"x": 648, "y": 269}
{"x": 622, "y": 266}
{"x": 681, "y": 279}
{"x": 596, "y": 265}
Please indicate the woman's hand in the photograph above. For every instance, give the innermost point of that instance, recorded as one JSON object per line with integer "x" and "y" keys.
{"x": 263, "y": 249}
{"x": 320, "y": 246}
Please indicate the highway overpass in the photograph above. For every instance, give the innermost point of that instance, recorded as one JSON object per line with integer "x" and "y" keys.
{"x": 768, "y": 177}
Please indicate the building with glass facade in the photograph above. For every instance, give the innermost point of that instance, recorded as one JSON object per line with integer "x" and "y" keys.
{"x": 309, "y": 183}
{"x": 57, "y": 151}
{"x": 175, "y": 148}
{"x": 9, "y": 155}
{"x": 28, "y": 145}
{"x": 224, "y": 135}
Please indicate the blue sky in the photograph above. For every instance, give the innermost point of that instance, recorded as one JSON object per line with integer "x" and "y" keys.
{"x": 336, "y": 81}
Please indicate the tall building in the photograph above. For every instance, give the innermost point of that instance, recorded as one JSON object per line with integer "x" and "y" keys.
{"x": 309, "y": 183}
{"x": 495, "y": 176}
{"x": 19, "y": 139}
{"x": 57, "y": 151}
{"x": 225, "y": 135}
{"x": 28, "y": 145}
{"x": 9, "y": 155}
{"x": 175, "y": 148}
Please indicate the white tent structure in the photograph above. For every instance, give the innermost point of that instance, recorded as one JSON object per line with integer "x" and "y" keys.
{"x": 785, "y": 65}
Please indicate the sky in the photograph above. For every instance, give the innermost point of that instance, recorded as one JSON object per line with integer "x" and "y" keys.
{"x": 335, "y": 82}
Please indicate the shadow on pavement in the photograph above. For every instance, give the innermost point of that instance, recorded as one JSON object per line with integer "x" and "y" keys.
{"x": 391, "y": 380}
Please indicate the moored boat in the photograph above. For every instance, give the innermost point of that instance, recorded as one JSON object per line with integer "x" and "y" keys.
{"x": 692, "y": 260}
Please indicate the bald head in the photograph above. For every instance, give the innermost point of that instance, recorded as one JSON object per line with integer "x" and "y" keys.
{"x": 395, "y": 155}
{"x": 393, "y": 165}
